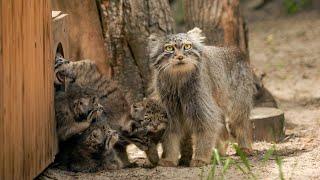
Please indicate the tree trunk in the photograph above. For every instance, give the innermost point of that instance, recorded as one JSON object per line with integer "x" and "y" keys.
{"x": 223, "y": 25}
{"x": 127, "y": 25}
{"x": 220, "y": 20}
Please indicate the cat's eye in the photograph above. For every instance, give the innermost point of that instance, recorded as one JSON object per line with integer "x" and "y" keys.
{"x": 168, "y": 48}
{"x": 187, "y": 46}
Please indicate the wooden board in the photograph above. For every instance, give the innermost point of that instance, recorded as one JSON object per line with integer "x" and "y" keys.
{"x": 268, "y": 124}
{"x": 60, "y": 33}
{"x": 85, "y": 32}
{"x": 27, "y": 128}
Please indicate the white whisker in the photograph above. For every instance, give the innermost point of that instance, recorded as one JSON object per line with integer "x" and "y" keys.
{"x": 162, "y": 68}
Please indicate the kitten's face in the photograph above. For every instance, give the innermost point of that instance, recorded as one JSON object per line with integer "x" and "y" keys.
{"x": 86, "y": 105}
{"x": 151, "y": 122}
{"x": 94, "y": 139}
{"x": 177, "y": 54}
{"x": 97, "y": 138}
{"x": 112, "y": 138}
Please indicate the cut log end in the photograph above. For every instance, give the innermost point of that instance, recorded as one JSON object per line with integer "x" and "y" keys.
{"x": 268, "y": 124}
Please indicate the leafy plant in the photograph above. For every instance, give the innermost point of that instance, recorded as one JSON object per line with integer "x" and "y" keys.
{"x": 243, "y": 165}
{"x": 269, "y": 153}
{"x": 213, "y": 167}
{"x": 267, "y": 156}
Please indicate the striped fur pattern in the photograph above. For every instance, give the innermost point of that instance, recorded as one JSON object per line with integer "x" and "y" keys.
{"x": 205, "y": 90}
{"x": 149, "y": 121}
{"x": 75, "y": 110}
{"x": 86, "y": 141}
{"x": 93, "y": 150}
{"x": 86, "y": 76}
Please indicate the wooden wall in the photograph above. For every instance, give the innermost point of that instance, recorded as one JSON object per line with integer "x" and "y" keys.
{"x": 27, "y": 128}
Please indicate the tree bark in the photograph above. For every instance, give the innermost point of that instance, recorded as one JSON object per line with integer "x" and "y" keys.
{"x": 223, "y": 25}
{"x": 127, "y": 25}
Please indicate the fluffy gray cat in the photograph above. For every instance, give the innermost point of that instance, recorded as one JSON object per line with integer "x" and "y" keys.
{"x": 207, "y": 92}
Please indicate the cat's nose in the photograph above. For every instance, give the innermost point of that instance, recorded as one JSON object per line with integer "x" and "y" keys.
{"x": 180, "y": 57}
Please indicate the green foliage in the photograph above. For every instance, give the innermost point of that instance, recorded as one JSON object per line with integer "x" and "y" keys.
{"x": 293, "y": 6}
{"x": 279, "y": 163}
{"x": 243, "y": 165}
{"x": 227, "y": 163}
{"x": 242, "y": 155}
{"x": 268, "y": 154}
{"x": 217, "y": 159}
{"x": 212, "y": 171}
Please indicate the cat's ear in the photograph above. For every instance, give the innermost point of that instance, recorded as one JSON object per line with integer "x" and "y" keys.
{"x": 196, "y": 35}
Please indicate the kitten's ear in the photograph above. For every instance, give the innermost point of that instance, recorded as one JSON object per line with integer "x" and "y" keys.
{"x": 196, "y": 35}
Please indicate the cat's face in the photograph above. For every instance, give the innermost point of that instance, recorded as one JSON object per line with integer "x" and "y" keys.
{"x": 176, "y": 54}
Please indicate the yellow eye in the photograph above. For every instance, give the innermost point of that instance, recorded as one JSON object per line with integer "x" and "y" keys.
{"x": 168, "y": 48}
{"x": 187, "y": 46}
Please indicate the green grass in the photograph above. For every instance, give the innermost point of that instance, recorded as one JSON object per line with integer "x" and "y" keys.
{"x": 243, "y": 165}
{"x": 279, "y": 163}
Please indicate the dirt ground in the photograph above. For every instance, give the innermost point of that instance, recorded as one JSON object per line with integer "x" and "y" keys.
{"x": 287, "y": 49}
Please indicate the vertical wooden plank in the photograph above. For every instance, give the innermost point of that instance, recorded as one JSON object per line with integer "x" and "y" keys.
{"x": 28, "y": 44}
{"x": 12, "y": 89}
{"x": 1, "y": 100}
{"x": 51, "y": 142}
{"x": 27, "y": 127}
{"x": 38, "y": 90}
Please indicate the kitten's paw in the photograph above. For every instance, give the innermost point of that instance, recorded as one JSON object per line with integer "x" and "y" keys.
{"x": 198, "y": 163}
{"x": 167, "y": 163}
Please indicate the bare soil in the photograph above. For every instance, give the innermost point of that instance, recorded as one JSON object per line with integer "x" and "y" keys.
{"x": 287, "y": 49}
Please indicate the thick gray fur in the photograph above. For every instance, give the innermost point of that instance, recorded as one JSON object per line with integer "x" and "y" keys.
{"x": 205, "y": 91}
